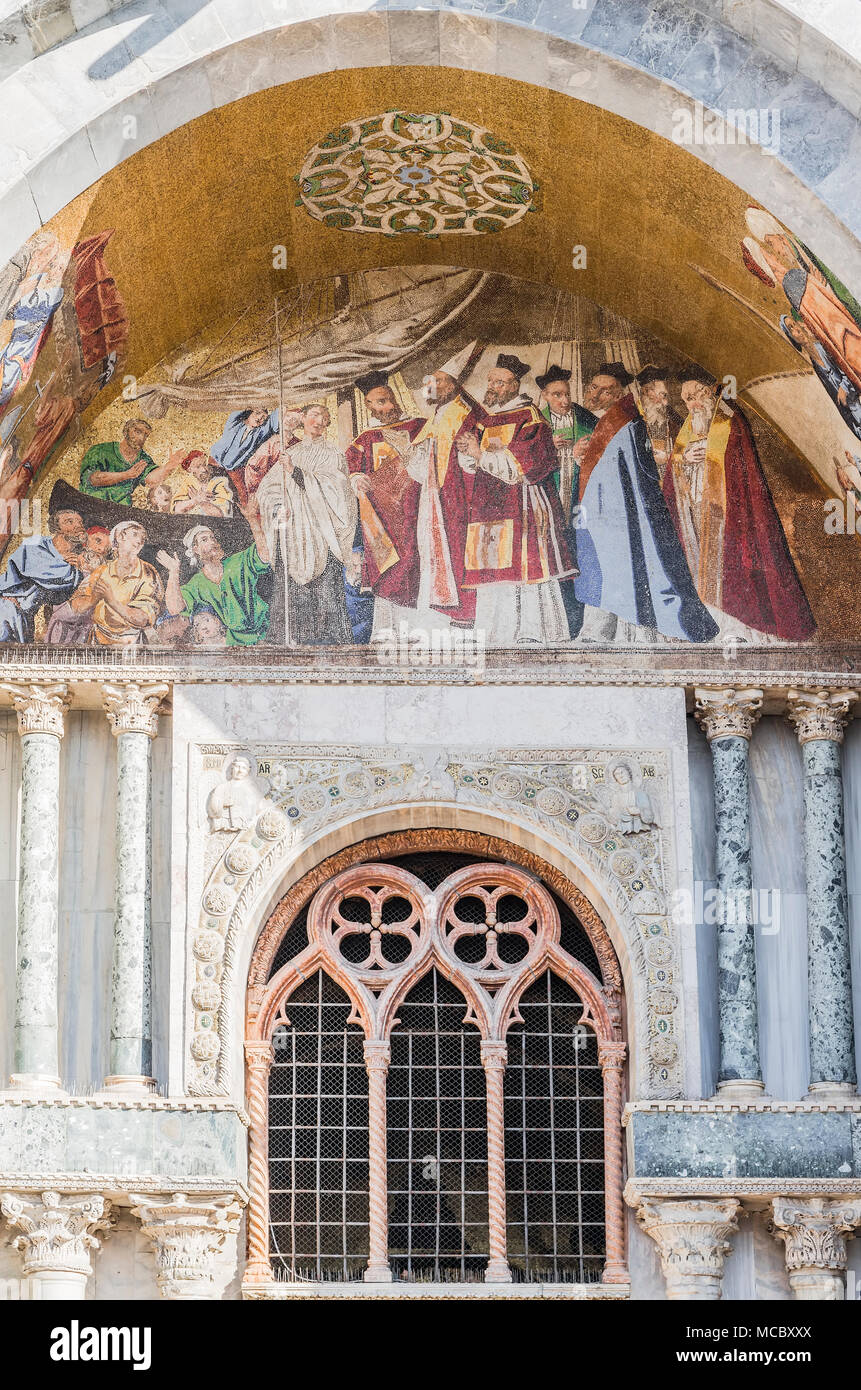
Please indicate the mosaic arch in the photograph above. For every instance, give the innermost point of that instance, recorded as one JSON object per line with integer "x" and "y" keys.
{"x": 501, "y": 417}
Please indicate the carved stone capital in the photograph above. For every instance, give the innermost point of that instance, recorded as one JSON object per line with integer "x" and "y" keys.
{"x": 57, "y": 1233}
{"x": 187, "y": 1238}
{"x": 727, "y": 713}
{"x": 693, "y": 1237}
{"x": 611, "y": 1055}
{"x": 259, "y": 1055}
{"x": 41, "y": 709}
{"x": 819, "y": 713}
{"x": 132, "y": 708}
{"x": 814, "y": 1230}
{"x": 494, "y": 1053}
{"x": 378, "y": 1054}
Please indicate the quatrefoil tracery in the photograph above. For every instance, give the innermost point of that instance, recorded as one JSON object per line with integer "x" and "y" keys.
{"x": 484, "y": 926}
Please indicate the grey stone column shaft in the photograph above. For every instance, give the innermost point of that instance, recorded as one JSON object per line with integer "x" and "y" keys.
{"x": 728, "y": 717}
{"x": 41, "y": 711}
{"x": 819, "y": 717}
{"x": 132, "y": 713}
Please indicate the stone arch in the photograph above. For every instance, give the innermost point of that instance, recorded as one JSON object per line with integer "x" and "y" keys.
{"x": 128, "y": 95}
{"x": 571, "y": 869}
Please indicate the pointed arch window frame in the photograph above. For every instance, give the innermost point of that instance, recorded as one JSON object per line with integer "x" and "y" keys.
{"x": 376, "y": 987}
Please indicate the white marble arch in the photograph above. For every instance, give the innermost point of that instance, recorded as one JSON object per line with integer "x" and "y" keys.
{"x": 621, "y": 925}
{"x": 68, "y": 106}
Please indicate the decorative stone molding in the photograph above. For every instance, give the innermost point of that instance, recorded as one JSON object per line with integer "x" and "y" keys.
{"x": 58, "y": 1235}
{"x": 820, "y": 713}
{"x": 639, "y": 1190}
{"x": 727, "y": 713}
{"x": 188, "y": 1238}
{"x": 571, "y": 795}
{"x": 132, "y": 708}
{"x": 693, "y": 1238}
{"x": 814, "y": 1231}
{"x": 41, "y": 709}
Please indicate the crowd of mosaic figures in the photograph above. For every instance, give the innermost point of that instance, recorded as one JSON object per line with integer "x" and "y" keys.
{"x": 639, "y": 513}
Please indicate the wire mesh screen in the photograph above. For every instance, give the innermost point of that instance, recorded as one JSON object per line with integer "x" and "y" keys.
{"x": 294, "y": 940}
{"x": 437, "y": 1141}
{"x": 318, "y": 1138}
{"x": 554, "y": 1140}
{"x": 433, "y": 867}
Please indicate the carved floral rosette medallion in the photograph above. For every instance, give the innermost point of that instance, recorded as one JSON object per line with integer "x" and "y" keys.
{"x": 426, "y": 174}
{"x": 571, "y": 796}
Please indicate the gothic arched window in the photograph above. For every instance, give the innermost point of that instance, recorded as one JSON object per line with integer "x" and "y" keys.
{"x": 432, "y": 1081}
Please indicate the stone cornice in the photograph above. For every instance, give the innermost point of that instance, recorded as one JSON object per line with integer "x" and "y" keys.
{"x": 640, "y": 1189}
{"x": 736, "y": 1107}
{"x": 87, "y": 674}
{"x": 123, "y": 1188}
{"x": 143, "y": 1102}
{"x": 277, "y": 1290}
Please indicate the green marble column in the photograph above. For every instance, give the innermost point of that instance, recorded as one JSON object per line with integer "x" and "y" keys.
{"x": 132, "y": 712}
{"x": 41, "y": 724}
{"x": 819, "y": 717}
{"x": 728, "y": 718}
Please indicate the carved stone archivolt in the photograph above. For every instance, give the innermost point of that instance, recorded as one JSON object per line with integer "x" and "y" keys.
{"x": 615, "y": 828}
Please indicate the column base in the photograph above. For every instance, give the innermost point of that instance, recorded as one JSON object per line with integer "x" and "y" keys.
{"x": 36, "y": 1085}
{"x": 740, "y": 1090}
{"x": 377, "y": 1274}
{"x": 497, "y": 1272}
{"x": 128, "y": 1086}
{"x": 839, "y": 1090}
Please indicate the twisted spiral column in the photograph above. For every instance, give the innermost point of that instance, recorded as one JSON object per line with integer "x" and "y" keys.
{"x": 377, "y": 1057}
{"x": 494, "y": 1056}
{"x": 611, "y": 1056}
{"x": 259, "y": 1057}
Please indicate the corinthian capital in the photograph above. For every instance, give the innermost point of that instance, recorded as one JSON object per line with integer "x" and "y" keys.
{"x": 58, "y": 1233}
{"x": 41, "y": 709}
{"x": 132, "y": 708}
{"x": 188, "y": 1239}
{"x": 727, "y": 713}
{"x": 693, "y": 1239}
{"x": 814, "y": 1230}
{"x": 820, "y": 713}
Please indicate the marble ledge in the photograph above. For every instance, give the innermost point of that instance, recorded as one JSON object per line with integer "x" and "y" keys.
{"x": 119, "y": 1190}
{"x": 98, "y": 1102}
{"x": 766, "y": 1105}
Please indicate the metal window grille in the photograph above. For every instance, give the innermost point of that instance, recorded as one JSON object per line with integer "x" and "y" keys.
{"x": 554, "y": 1140}
{"x": 437, "y": 1140}
{"x": 318, "y": 1138}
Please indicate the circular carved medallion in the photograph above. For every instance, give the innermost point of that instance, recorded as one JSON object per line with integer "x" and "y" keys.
{"x": 428, "y": 174}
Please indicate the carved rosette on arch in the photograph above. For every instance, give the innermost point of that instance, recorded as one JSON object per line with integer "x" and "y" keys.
{"x": 58, "y": 1233}
{"x": 133, "y": 708}
{"x": 607, "y": 817}
{"x": 727, "y": 713}
{"x": 820, "y": 713}
{"x": 693, "y": 1237}
{"x": 189, "y": 1240}
{"x": 814, "y": 1231}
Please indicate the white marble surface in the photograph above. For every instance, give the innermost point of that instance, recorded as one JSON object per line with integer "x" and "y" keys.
{"x": 498, "y": 718}
{"x": 86, "y": 910}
